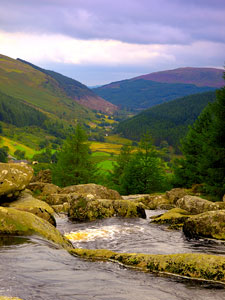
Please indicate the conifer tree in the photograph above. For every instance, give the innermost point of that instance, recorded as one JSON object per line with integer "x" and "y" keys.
{"x": 204, "y": 150}
{"x": 74, "y": 165}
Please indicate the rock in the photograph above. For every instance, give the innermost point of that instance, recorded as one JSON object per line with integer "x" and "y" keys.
{"x": 43, "y": 176}
{"x": 93, "y": 190}
{"x": 26, "y": 202}
{"x": 175, "y": 216}
{"x": 15, "y": 223}
{"x": 45, "y": 189}
{"x": 210, "y": 224}
{"x": 82, "y": 208}
{"x": 156, "y": 202}
{"x": 175, "y": 194}
{"x": 14, "y": 178}
{"x": 61, "y": 208}
{"x": 196, "y": 205}
{"x": 55, "y": 199}
{"x": 191, "y": 265}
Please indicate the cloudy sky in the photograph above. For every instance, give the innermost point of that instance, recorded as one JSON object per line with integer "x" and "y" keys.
{"x": 99, "y": 41}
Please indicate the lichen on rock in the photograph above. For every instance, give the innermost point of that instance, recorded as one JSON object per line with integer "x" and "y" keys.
{"x": 16, "y": 222}
{"x": 26, "y": 202}
{"x": 175, "y": 216}
{"x": 196, "y": 205}
{"x": 84, "y": 208}
{"x": 209, "y": 224}
{"x": 192, "y": 265}
{"x": 14, "y": 178}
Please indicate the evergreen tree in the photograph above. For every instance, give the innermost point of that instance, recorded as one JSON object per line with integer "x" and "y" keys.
{"x": 188, "y": 170}
{"x": 204, "y": 150}
{"x": 143, "y": 173}
{"x": 74, "y": 165}
{"x": 213, "y": 151}
{"x": 118, "y": 169}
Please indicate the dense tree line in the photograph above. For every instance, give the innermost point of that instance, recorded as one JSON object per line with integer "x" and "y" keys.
{"x": 204, "y": 150}
{"x": 167, "y": 122}
{"x": 141, "y": 94}
{"x": 15, "y": 112}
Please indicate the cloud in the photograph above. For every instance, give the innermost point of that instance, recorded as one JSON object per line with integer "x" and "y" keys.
{"x": 130, "y": 21}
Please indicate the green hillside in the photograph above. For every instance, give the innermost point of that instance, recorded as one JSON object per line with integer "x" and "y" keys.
{"x": 168, "y": 121}
{"x": 40, "y": 90}
{"x": 140, "y": 94}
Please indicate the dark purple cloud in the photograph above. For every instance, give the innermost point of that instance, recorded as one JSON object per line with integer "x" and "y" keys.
{"x": 132, "y": 21}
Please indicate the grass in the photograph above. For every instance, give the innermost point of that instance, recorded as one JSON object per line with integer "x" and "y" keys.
{"x": 13, "y": 146}
{"x": 106, "y": 147}
{"x": 106, "y": 165}
{"x": 116, "y": 139}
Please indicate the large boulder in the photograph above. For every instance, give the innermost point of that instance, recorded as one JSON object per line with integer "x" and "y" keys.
{"x": 26, "y": 202}
{"x": 97, "y": 191}
{"x": 175, "y": 194}
{"x": 83, "y": 208}
{"x": 17, "y": 223}
{"x": 151, "y": 201}
{"x": 210, "y": 224}
{"x": 196, "y": 205}
{"x": 14, "y": 178}
{"x": 191, "y": 265}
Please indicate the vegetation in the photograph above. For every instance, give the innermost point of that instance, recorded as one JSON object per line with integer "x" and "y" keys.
{"x": 140, "y": 172}
{"x": 74, "y": 165}
{"x": 167, "y": 122}
{"x": 139, "y": 94}
{"x": 204, "y": 150}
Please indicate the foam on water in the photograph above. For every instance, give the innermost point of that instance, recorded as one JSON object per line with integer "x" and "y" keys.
{"x": 105, "y": 232}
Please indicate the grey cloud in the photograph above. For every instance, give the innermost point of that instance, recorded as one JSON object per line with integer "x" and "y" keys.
{"x": 132, "y": 21}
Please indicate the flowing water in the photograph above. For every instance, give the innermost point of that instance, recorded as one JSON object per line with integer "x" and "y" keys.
{"x": 32, "y": 268}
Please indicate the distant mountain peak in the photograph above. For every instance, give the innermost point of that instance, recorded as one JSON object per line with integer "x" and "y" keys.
{"x": 211, "y": 77}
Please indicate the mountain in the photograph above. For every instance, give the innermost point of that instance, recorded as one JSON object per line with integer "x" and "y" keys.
{"x": 145, "y": 91}
{"x": 198, "y": 76}
{"x": 52, "y": 93}
{"x": 168, "y": 121}
{"x": 78, "y": 91}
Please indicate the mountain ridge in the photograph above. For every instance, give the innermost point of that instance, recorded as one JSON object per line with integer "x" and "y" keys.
{"x": 211, "y": 77}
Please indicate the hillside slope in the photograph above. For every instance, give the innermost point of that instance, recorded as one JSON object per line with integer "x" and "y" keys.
{"x": 140, "y": 94}
{"x": 44, "y": 91}
{"x": 168, "y": 121}
{"x": 78, "y": 91}
{"x": 198, "y": 76}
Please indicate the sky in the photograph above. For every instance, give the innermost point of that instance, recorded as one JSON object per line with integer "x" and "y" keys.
{"x": 101, "y": 41}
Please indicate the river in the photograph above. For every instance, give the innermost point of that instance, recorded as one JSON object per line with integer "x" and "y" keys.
{"x": 32, "y": 268}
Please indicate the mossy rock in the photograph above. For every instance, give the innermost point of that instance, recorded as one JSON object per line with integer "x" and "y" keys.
{"x": 95, "y": 191}
{"x": 15, "y": 222}
{"x": 175, "y": 216}
{"x": 26, "y": 202}
{"x": 82, "y": 208}
{"x": 210, "y": 224}
{"x": 156, "y": 202}
{"x": 196, "y": 205}
{"x": 201, "y": 266}
{"x": 14, "y": 178}
{"x": 175, "y": 194}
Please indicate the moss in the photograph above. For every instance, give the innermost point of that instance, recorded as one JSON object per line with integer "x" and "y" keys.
{"x": 15, "y": 222}
{"x": 209, "y": 224}
{"x": 175, "y": 217}
{"x": 40, "y": 208}
{"x": 84, "y": 209}
{"x": 201, "y": 266}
